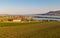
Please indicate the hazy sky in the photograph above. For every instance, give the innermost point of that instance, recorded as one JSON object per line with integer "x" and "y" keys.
{"x": 28, "y": 6}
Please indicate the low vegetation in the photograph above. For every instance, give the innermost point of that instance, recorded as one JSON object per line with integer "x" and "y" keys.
{"x": 30, "y": 30}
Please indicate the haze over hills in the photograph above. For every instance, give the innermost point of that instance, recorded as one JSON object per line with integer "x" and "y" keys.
{"x": 53, "y": 13}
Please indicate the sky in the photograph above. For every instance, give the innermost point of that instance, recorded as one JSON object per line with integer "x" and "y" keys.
{"x": 28, "y": 6}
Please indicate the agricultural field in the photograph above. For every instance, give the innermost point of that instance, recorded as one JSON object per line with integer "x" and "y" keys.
{"x": 30, "y": 30}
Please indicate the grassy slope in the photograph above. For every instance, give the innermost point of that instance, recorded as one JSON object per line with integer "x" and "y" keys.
{"x": 30, "y": 30}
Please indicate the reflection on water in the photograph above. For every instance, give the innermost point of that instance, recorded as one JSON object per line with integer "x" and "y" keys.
{"x": 46, "y": 19}
{"x": 43, "y": 17}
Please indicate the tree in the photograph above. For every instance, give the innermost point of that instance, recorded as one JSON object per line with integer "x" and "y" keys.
{"x": 10, "y": 19}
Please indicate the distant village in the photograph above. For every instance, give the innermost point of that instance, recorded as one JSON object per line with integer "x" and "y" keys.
{"x": 16, "y": 18}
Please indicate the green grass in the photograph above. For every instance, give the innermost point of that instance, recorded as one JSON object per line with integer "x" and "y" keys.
{"x": 30, "y": 30}
{"x": 3, "y": 24}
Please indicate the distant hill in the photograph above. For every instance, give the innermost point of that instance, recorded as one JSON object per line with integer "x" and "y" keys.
{"x": 3, "y": 14}
{"x": 56, "y": 13}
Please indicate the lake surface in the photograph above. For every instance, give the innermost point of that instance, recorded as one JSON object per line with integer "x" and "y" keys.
{"x": 46, "y": 19}
{"x": 43, "y": 17}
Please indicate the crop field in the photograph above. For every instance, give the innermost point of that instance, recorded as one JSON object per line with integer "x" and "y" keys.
{"x": 30, "y": 30}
